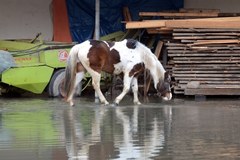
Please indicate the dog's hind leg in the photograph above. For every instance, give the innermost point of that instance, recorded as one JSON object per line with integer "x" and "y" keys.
{"x": 96, "y": 85}
{"x": 134, "y": 86}
{"x": 126, "y": 86}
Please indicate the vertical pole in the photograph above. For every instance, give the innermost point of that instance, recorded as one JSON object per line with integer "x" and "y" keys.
{"x": 97, "y": 20}
{"x": 97, "y": 32}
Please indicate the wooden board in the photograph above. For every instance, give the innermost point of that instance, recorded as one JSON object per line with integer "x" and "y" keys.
{"x": 232, "y": 22}
{"x": 179, "y": 14}
{"x": 145, "y": 24}
{"x": 199, "y": 10}
{"x": 226, "y": 22}
{"x": 205, "y": 30}
{"x": 212, "y": 91}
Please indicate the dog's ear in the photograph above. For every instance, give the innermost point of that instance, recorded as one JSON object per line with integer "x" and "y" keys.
{"x": 166, "y": 75}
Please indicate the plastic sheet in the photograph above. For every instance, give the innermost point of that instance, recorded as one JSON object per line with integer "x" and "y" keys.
{"x": 82, "y": 14}
{"x": 6, "y": 61}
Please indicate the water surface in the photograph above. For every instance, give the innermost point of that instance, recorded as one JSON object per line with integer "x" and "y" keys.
{"x": 48, "y": 129}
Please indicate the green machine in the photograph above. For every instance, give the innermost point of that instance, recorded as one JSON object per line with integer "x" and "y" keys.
{"x": 38, "y": 66}
{"x": 32, "y": 65}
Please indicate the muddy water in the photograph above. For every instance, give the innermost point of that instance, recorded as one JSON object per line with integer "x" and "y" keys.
{"x": 47, "y": 129}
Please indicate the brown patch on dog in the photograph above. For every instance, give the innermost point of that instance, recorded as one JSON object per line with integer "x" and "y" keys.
{"x": 115, "y": 57}
{"x": 137, "y": 69}
{"x": 97, "y": 55}
{"x": 101, "y": 58}
{"x": 164, "y": 88}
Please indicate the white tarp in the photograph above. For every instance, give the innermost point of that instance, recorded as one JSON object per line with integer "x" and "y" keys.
{"x": 6, "y": 61}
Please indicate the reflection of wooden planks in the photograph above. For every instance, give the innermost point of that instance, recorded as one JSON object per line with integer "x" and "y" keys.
{"x": 149, "y": 79}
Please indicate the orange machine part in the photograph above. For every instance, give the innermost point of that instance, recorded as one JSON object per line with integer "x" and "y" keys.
{"x": 61, "y": 31}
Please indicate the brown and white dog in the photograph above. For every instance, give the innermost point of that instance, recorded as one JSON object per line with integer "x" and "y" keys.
{"x": 129, "y": 57}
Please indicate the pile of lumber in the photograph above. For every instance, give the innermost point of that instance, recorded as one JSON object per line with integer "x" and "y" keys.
{"x": 184, "y": 18}
{"x": 203, "y": 51}
{"x": 205, "y": 61}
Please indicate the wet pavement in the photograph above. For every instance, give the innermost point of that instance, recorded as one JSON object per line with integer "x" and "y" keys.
{"x": 48, "y": 129}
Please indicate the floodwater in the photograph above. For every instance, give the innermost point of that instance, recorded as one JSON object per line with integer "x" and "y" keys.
{"x": 48, "y": 129}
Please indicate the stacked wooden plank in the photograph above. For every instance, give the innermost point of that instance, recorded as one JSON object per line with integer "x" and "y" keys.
{"x": 218, "y": 22}
{"x": 205, "y": 61}
{"x": 203, "y": 49}
{"x": 184, "y": 18}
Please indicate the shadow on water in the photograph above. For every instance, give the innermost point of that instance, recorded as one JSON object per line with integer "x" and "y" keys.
{"x": 49, "y": 129}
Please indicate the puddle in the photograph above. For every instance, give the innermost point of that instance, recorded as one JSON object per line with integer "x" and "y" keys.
{"x": 48, "y": 129}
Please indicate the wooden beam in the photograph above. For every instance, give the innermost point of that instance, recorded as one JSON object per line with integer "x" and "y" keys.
{"x": 226, "y": 22}
{"x": 159, "y": 30}
{"x": 205, "y": 37}
{"x": 178, "y": 14}
{"x": 233, "y": 22}
{"x": 207, "y": 42}
{"x": 206, "y": 30}
{"x": 212, "y": 91}
{"x": 126, "y": 14}
{"x": 197, "y": 10}
{"x": 145, "y": 24}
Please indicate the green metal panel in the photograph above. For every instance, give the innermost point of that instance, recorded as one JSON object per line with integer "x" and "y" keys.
{"x": 51, "y": 54}
{"x": 55, "y": 58}
{"x": 18, "y": 45}
{"x": 33, "y": 78}
{"x": 35, "y": 63}
{"x": 23, "y": 51}
{"x": 27, "y": 60}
